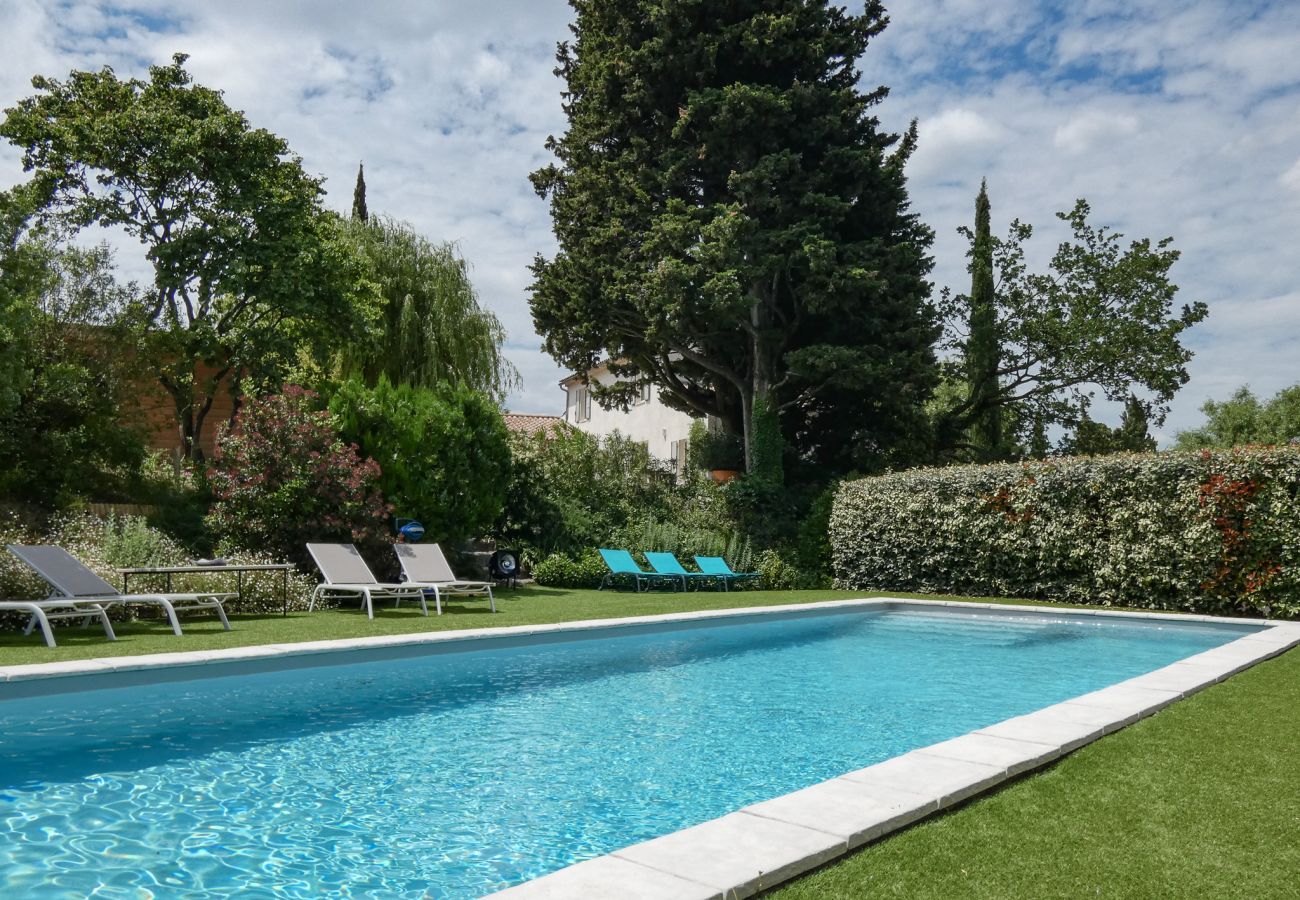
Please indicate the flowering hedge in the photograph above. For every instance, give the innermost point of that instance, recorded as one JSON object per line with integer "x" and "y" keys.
{"x": 1209, "y": 531}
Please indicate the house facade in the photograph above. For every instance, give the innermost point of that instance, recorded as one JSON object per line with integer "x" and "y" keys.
{"x": 663, "y": 430}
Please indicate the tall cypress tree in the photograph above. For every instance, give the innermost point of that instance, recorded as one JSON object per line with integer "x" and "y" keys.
{"x": 982, "y": 343}
{"x": 734, "y": 226}
{"x": 359, "y": 211}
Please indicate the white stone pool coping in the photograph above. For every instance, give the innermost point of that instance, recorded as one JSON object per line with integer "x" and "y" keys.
{"x": 764, "y": 844}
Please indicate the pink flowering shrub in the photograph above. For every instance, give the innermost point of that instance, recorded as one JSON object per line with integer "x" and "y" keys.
{"x": 282, "y": 476}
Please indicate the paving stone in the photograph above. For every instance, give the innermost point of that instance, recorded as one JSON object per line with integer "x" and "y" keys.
{"x": 1043, "y": 727}
{"x": 940, "y": 778}
{"x": 851, "y": 810}
{"x": 739, "y": 854}
{"x": 1013, "y": 756}
{"x": 1185, "y": 678}
{"x": 609, "y": 877}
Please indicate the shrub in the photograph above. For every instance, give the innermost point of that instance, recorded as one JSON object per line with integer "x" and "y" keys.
{"x": 781, "y": 571}
{"x": 444, "y": 454}
{"x": 586, "y": 570}
{"x": 812, "y": 540}
{"x": 686, "y": 541}
{"x": 61, "y": 435}
{"x": 570, "y": 491}
{"x": 1209, "y": 531}
{"x": 179, "y": 494}
{"x": 714, "y": 449}
{"x": 283, "y": 476}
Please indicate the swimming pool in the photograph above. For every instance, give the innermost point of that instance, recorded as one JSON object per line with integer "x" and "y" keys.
{"x": 453, "y": 774}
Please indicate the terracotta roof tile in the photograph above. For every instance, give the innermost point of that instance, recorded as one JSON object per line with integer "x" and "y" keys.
{"x": 526, "y": 423}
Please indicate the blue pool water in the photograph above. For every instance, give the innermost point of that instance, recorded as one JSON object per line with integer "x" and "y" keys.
{"x": 452, "y": 775}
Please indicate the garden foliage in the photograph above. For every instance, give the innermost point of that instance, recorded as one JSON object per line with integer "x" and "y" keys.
{"x": 583, "y": 570}
{"x": 443, "y": 452}
{"x": 1206, "y": 531}
{"x": 284, "y": 476}
{"x": 571, "y": 493}
{"x": 431, "y": 328}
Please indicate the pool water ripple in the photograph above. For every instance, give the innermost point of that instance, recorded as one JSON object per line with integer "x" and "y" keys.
{"x": 453, "y": 775}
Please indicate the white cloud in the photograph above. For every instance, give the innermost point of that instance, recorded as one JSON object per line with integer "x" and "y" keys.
{"x": 1172, "y": 119}
{"x": 953, "y": 138}
{"x": 1091, "y": 130}
{"x": 1291, "y": 177}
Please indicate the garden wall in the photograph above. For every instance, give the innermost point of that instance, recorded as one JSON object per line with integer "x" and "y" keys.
{"x": 1209, "y": 531}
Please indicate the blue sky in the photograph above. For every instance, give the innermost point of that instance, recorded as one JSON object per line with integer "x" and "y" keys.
{"x": 1175, "y": 119}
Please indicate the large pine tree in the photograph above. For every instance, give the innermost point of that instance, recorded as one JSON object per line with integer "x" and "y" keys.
{"x": 734, "y": 226}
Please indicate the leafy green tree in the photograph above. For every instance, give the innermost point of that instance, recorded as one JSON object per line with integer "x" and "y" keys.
{"x": 247, "y": 266}
{"x": 359, "y": 211}
{"x": 734, "y": 226}
{"x": 24, "y": 274}
{"x": 1102, "y": 318}
{"x": 431, "y": 329}
{"x": 61, "y": 438}
{"x": 443, "y": 452}
{"x": 1242, "y": 419}
{"x": 1091, "y": 438}
{"x": 571, "y": 491}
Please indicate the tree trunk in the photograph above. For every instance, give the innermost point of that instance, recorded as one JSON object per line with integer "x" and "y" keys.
{"x": 764, "y": 446}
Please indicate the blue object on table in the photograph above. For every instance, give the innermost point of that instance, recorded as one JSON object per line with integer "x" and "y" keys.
{"x": 410, "y": 530}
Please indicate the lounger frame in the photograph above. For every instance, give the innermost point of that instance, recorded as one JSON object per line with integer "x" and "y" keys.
{"x": 426, "y": 565}
{"x": 45, "y": 611}
{"x": 71, "y": 580}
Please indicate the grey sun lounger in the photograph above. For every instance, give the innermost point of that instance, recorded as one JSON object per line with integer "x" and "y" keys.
{"x": 43, "y": 611}
{"x": 73, "y": 581}
{"x": 427, "y": 566}
{"x": 347, "y": 575}
{"x": 668, "y": 564}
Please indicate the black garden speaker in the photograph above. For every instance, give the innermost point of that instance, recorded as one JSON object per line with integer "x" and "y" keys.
{"x": 504, "y": 566}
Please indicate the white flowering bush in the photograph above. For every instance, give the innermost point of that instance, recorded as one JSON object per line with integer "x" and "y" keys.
{"x": 128, "y": 542}
{"x": 1208, "y": 531}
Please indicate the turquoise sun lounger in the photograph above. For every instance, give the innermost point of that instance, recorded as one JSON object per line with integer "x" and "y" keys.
{"x": 718, "y": 568}
{"x": 668, "y": 564}
{"x": 620, "y": 562}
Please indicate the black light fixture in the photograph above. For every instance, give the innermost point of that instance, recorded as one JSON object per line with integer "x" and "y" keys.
{"x": 504, "y": 566}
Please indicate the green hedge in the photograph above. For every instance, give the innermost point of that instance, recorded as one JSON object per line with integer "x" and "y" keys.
{"x": 586, "y": 570}
{"x": 1209, "y": 531}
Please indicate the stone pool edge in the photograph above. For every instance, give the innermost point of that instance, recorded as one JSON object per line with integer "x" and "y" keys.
{"x": 197, "y": 658}
{"x": 765, "y": 844}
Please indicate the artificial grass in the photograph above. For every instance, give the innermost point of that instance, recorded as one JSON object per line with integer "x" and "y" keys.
{"x": 1200, "y": 801}
{"x": 531, "y": 605}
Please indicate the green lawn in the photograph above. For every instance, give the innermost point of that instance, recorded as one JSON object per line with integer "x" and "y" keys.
{"x": 1200, "y": 801}
{"x": 530, "y": 605}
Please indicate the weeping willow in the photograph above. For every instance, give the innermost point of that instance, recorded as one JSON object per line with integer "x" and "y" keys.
{"x": 432, "y": 330}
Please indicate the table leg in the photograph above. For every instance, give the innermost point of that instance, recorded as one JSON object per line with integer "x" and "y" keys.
{"x": 125, "y": 582}
{"x": 169, "y": 582}
{"x": 239, "y": 587}
{"x": 284, "y": 590}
